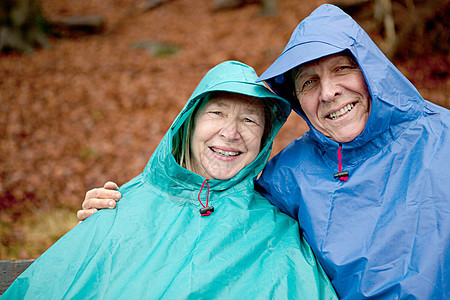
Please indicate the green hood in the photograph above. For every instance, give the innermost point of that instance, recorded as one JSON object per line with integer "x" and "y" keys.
{"x": 230, "y": 76}
{"x": 156, "y": 245}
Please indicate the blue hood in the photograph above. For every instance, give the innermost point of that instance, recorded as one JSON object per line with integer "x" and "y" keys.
{"x": 328, "y": 30}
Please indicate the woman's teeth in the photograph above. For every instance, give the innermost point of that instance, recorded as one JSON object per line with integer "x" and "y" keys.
{"x": 225, "y": 153}
{"x": 341, "y": 112}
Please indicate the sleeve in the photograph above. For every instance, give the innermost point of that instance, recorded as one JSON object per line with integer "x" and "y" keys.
{"x": 277, "y": 185}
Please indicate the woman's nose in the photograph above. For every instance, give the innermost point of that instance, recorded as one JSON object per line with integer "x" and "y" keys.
{"x": 329, "y": 89}
{"x": 230, "y": 131}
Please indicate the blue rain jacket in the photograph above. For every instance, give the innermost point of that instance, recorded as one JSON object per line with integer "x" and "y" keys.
{"x": 385, "y": 232}
{"x": 156, "y": 245}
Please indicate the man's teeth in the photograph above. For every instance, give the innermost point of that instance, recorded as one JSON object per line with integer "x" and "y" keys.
{"x": 225, "y": 153}
{"x": 342, "y": 111}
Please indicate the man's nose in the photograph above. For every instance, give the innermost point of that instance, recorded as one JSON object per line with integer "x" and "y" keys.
{"x": 329, "y": 89}
{"x": 230, "y": 131}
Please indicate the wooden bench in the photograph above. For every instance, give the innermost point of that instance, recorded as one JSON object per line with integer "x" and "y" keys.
{"x": 10, "y": 270}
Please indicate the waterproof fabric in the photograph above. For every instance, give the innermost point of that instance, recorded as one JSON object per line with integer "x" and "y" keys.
{"x": 155, "y": 244}
{"x": 385, "y": 232}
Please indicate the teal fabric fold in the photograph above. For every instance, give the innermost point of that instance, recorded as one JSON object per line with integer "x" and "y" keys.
{"x": 155, "y": 244}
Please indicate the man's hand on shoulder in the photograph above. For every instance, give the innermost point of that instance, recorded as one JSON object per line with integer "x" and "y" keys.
{"x": 99, "y": 198}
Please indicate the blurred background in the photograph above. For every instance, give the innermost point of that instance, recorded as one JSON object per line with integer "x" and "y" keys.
{"x": 88, "y": 88}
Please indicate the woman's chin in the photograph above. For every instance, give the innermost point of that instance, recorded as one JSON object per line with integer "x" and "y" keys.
{"x": 222, "y": 174}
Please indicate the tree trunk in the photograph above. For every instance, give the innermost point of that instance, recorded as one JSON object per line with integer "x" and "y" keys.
{"x": 21, "y": 26}
{"x": 407, "y": 27}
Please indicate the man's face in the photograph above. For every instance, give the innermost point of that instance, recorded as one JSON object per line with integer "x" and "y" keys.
{"x": 334, "y": 96}
{"x": 227, "y": 135}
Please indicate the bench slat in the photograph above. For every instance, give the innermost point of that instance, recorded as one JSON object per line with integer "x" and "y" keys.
{"x": 10, "y": 270}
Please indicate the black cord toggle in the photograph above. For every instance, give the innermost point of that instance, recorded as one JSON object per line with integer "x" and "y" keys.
{"x": 341, "y": 174}
{"x": 206, "y": 211}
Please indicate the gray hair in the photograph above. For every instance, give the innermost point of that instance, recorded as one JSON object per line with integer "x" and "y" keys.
{"x": 181, "y": 149}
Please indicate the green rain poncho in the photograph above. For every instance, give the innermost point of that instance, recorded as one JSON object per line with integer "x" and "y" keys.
{"x": 156, "y": 245}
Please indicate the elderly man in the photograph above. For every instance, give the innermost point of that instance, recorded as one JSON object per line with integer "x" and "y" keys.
{"x": 369, "y": 182}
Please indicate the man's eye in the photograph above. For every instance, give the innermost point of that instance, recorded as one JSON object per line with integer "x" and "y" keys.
{"x": 307, "y": 84}
{"x": 341, "y": 68}
{"x": 218, "y": 113}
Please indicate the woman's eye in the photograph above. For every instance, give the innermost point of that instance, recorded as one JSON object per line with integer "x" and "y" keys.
{"x": 218, "y": 113}
{"x": 254, "y": 120}
{"x": 307, "y": 82}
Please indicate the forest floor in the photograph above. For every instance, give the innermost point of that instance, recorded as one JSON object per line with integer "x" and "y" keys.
{"x": 93, "y": 108}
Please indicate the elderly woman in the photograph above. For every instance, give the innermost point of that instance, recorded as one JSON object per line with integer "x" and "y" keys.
{"x": 191, "y": 225}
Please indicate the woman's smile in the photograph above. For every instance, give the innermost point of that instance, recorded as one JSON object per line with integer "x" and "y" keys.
{"x": 226, "y": 154}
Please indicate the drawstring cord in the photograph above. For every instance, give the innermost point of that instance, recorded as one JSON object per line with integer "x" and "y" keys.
{"x": 206, "y": 210}
{"x": 342, "y": 175}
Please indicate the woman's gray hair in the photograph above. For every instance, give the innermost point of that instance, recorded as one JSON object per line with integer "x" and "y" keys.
{"x": 181, "y": 149}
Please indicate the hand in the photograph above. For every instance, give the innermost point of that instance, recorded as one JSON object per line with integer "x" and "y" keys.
{"x": 99, "y": 198}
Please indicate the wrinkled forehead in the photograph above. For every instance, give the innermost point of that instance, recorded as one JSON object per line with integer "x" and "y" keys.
{"x": 227, "y": 99}
{"x": 330, "y": 60}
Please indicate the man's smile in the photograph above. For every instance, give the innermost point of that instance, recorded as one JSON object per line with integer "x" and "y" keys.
{"x": 339, "y": 113}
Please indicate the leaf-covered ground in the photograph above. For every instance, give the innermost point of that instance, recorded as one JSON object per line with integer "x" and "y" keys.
{"x": 93, "y": 108}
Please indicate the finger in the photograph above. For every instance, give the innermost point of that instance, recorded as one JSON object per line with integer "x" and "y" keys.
{"x": 98, "y": 203}
{"x": 111, "y": 185}
{"x": 100, "y": 198}
{"x": 103, "y": 193}
{"x": 84, "y": 214}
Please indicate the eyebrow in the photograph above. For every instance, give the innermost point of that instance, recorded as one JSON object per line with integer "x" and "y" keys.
{"x": 299, "y": 71}
{"x": 340, "y": 59}
{"x": 252, "y": 109}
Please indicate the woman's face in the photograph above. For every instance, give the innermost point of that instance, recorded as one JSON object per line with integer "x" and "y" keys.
{"x": 227, "y": 135}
